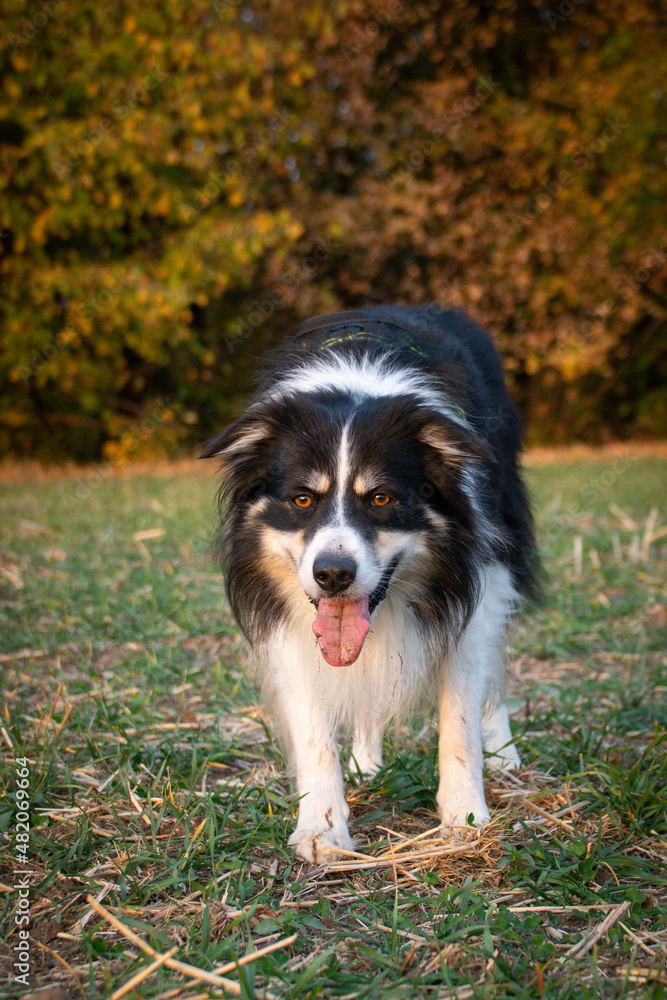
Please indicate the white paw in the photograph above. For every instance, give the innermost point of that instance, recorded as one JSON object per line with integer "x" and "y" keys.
{"x": 457, "y": 822}
{"x": 320, "y": 846}
{"x": 457, "y": 806}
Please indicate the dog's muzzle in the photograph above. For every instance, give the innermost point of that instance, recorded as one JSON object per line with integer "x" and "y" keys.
{"x": 342, "y": 624}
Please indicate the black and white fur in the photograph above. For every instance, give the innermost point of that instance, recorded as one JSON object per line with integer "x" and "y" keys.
{"x": 400, "y": 403}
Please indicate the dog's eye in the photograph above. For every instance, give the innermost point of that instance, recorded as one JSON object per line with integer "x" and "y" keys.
{"x": 380, "y": 499}
{"x": 303, "y": 500}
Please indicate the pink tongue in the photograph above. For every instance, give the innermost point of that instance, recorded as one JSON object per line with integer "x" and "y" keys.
{"x": 341, "y": 627}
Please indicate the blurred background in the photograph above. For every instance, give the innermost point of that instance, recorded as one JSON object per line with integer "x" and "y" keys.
{"x": 182, "y": 183}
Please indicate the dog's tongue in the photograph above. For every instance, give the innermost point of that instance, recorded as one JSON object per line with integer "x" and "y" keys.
{"x": 341, "y": 627}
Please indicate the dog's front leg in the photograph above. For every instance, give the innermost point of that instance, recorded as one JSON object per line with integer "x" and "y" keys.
{"x": 323, "y": 811}
{"x": 461, "y": 789}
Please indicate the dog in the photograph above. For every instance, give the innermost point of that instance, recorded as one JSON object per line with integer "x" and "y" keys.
{"x": 375, "y": 538}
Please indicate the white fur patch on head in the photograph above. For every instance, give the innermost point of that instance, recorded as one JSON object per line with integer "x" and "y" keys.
{"x": 342, "y": 470}
{"x": 364, "y": 377}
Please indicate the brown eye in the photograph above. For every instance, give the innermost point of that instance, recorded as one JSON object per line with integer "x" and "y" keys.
{"x": 303, "y": 500}
{"x": 381, "y": 500}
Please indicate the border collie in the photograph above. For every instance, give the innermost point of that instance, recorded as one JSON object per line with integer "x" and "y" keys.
{"x": 375, "y": 537}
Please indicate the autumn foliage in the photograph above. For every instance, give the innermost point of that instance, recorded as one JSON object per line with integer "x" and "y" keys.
{"x": 183, "y": 182}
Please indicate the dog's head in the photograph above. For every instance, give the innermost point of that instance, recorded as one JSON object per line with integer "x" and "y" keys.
{"x": 341, "y": 501}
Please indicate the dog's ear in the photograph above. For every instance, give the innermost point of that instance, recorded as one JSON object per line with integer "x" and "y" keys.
{"x": 455, "y": 441}
{"x": 238, "y": 439}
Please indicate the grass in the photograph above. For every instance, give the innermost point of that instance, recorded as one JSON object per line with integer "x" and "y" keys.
{"x": 156, "y": 789}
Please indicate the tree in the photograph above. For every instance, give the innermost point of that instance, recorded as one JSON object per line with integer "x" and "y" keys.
{"x": 183, "y": 183}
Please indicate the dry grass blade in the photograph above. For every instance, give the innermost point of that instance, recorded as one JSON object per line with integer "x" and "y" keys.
{"x": 21, "y": 654}
{"x": 144, "y": 973}
{"x": 433, "y": 832}
{"x": 215, "y": 977}
{"x": 253, "y": 956}
{"x": 572, "y": 908}
{"x": 163, "y": 795}
{"x": 580, "y": 949}
{"x": 424, "y": 851}
{"x": 628, "y": 522}
{"x": 44, "y": 722}
{"x": 66, "y": 965}
{"x": 651, "y": 522}
{"x": 83, "y": 920}
{"x": 637, "y": 940}
{"x": 198, "y": 975}
{"x": 408, "y": 935}
{"x": 566, "y": 824}
{"x": 638, "y": 974}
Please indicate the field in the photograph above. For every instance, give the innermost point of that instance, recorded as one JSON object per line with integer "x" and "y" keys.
{"x": 156, "y": 790}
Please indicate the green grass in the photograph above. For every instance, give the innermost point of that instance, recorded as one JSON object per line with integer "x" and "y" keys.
{"x": 155, "y": 783}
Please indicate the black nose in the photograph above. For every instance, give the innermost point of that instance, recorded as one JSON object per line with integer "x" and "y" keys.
{"x": 334, "y": 573}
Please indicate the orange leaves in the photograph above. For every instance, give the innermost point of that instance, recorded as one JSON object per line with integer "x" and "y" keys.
{"x": 19, "y": 62}
{"x": 235, "y": 195}
{"x": 163, "y": 204}
{"x": 38, "y": 229}
{"x": 167, "y": 168}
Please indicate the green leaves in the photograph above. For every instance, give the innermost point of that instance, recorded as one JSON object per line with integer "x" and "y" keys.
{"x": 632, "y": 786}
{"x": 154, "y": 777}
{"x": 170, "y": 178}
